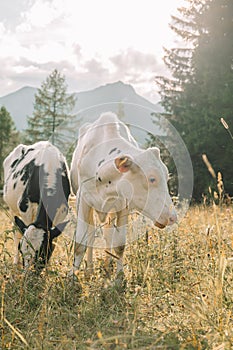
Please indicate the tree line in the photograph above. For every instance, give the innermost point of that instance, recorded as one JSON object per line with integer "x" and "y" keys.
{"x": 199, "y": 93}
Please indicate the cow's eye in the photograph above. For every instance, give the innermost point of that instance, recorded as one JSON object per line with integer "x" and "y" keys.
{"x": 152, "y": 180}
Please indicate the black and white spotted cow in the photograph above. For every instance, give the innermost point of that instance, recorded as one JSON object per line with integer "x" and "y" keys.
{"x": 36, "y": 189}
{"x": 111, "y": 174}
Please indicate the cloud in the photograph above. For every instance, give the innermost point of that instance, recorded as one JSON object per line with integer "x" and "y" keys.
{"x": 135, "y": 64}
{"x": 95, "y": 67}
{"x": 23, "y": 71}
{"x": 42, "y": 13}
{"x": 40, "y": 35}
{"x": 88, "y": 75}
{"x": 85, "y": 74}
{"x": 20, "y": 72}
{"x": 11, "y": 11}
{"x": 77, "y": 50}
{"x": 139, "y": 69}
{"x": 2, "y": 28}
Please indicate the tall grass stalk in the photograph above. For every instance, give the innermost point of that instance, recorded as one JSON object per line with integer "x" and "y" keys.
{"x": 224, "y": 123}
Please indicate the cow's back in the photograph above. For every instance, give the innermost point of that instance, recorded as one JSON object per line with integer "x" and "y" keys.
{"x": 96, "y": 141}
{"x": 30, "y": 172}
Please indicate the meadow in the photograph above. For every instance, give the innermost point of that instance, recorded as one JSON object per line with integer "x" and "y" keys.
{"x": 177, "y": 292}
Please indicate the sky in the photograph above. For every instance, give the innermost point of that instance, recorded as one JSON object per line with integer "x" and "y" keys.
{"x": 91, "y": 42}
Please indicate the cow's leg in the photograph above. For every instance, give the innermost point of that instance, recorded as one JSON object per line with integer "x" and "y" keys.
{"x": 17, "y": 238}
{"x": 90, "y": 242}
{"x": 108, "y": 232}
{"x": 27, "y": 218}
{"x": 115, "y": 237}
{"x": 120, "y": 238}
{"x": 81, "y": 236}
{"x": 90, "y": 269}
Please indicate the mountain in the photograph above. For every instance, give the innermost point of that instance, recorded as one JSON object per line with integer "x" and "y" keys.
{"x": 20, "y": 105}
{"x": 116, "y": 97}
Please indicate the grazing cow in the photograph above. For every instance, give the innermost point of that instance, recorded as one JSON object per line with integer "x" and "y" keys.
{"x": 36, "y": 189}
{"x": 111, "y": 174}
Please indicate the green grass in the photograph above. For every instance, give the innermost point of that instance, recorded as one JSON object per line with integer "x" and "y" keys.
{"x": 177, "y": 292}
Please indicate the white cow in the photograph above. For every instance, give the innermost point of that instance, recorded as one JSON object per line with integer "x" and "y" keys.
{"x": 111, "y": 174}
{"x": 36, "y": 189}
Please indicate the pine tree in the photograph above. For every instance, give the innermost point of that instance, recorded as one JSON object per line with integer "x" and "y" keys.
{"x": 9, "y": 137}
{"x": 52, "y": 107}
{"x": 201, "y": 89}
{"x": 179, "y": 60}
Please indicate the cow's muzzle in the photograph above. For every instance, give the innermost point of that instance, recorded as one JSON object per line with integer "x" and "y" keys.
{"x": 170, "y": 221}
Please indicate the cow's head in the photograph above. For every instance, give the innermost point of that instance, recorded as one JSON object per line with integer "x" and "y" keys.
{"x": 144, "y": 183}
{"x": 36, "y": 245}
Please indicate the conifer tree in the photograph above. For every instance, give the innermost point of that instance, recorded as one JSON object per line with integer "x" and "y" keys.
{"x": 52, "y": 107}
{"x": 9, "y": 137}
{"x": 201, "y": 88}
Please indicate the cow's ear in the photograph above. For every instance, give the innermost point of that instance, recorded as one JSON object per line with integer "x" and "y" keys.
{"x": 21, "y": 225}
{"x": 123, "y": 163}
{"x": 156, "y": 151}
{"x": 56, "y": 231}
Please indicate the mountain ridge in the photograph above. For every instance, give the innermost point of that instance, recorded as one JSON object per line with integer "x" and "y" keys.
{"x": 90, "y": 102}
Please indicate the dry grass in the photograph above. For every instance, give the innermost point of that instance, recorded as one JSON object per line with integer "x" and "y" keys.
{"x": 177, "y": 293}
